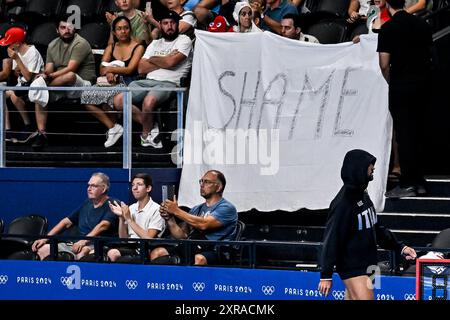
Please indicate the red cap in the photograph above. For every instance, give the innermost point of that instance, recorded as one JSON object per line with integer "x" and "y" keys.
{"x": 13, "y": 35}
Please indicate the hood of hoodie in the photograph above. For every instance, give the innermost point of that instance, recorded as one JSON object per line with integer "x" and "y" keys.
{"x": 354, "y": 168}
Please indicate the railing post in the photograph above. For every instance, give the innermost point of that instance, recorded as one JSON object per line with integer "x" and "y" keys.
{"x": 127, "y": 132}
{"x": 2, "y": 128}
{"x": 180, "y": 115}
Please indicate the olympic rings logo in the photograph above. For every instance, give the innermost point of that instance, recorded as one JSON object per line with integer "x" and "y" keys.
{"x": 3, "y": 278}
{"x": 268, "y": 290}
{"x": 409, "y": 296}
{"x": 131, "y": 284}
{"x": 198, "y": 286}
{"x": 338, "y": 295}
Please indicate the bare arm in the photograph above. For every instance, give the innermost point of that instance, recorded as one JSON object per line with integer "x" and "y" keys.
{"x": 353, "y": 7}
{"x": 63, "y": 224}
{"x": 385, "y": 63}
{"x": 421, "y": 4}
{"x": 145, "y": 66}
{"x": 175, "y": 230}
{"x": 72, "y": 66}
{"x": 169, "y": 61}
{"x": 200, "y": 223}
{"x": 273, "y": 24}
{"x": 6, "y": 69}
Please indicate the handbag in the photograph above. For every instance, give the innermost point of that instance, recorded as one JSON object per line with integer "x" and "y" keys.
{"x": 103, "y": 82}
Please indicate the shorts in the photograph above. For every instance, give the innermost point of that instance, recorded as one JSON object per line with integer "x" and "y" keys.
{"x": 79, "y": 82}
{"x": 161, "y": 96}
{"x": 211, "y": 256}
{"x": 344, "y": 275}
{"x": 67, "y": 247}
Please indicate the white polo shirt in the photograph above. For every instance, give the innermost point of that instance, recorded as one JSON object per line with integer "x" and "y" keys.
{"x": 147, "y": 218}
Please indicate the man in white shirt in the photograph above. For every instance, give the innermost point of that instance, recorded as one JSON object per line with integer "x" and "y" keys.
{"x": 140, "y": 220}
{"x": 165, "y": 62}
{"x": 26, "y": 62}
{"x": 290, "y": 28}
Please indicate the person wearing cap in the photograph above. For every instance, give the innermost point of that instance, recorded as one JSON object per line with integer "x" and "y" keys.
{"x": 290, "y": 28}
{"x": 27, "y": 63}
{"x": 70, "y": 62}
{"x": 165, "y": 62}
{"x": 243, "y": 15}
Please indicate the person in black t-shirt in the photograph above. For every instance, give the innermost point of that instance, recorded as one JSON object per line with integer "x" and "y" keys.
{"x": 404, "y": 47}
{"x": 353, "y": 232}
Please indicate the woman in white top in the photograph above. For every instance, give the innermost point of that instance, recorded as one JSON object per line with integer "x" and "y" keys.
{"x": 27, "y": 62}
{"x": 243, "y": 15}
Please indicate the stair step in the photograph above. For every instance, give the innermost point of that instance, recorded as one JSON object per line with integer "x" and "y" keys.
{"x": 438, "y": 187}
{"x": 418, "y": 238}
{"x": 419, "y": 221}
{"x": 418, "y": 204}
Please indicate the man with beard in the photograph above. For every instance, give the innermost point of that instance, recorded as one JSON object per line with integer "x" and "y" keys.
{"x": 290, "y": 28}
{"x": 215, "y": 219}
{"x": 69, "y": 62}
{"x": 165, "y": 62}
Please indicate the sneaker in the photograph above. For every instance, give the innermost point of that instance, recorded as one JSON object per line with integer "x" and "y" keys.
{"x": 420, "y": 189}
{"x": 9, "y": 136}
{"x": 40, "y": 142}
{"x": 113, "y": 135}
{"x": 26, "y": 135}
{"x": 399, "y": 192}
{"x": 149, "y": 141}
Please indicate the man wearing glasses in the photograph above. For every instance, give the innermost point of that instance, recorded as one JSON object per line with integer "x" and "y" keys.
{"x": 91, "y": 219}
{"x": 215, "y": 219}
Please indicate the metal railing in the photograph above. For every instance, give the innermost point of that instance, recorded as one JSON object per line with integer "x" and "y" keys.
{"x": 127, "y": 117}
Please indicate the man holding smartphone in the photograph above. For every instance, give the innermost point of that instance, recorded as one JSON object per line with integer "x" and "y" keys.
{"x": 215, "y": 219}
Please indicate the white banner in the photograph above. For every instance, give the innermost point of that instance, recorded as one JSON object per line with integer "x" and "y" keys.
{"x": 277, "y": 116}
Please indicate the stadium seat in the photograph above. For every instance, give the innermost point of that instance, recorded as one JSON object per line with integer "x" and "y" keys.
{"x": 358, "y": 30}
{"x": 31, "y": 225}
{"x": 109, "y": 6}
{"x": 89, "y": 9}
{"x": 97, "y": 34}
{"x": 337, "y": 8}
{"x": 37, "y": 11}
{"x": 24, "y": 255}
{"x": 41, "y": 36}
{"x": 328, "y": 32}
{"x": 442, "y": 240}
{"x": 231, "y": 254}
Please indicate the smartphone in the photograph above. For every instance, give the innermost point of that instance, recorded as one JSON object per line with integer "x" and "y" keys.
{"x": 168, "y": 191}
{"x": 148, "y": 7}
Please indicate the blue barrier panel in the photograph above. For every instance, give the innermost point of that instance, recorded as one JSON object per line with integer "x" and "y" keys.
{"x": 56, "y": 192}
{"x": 64, "y": 280}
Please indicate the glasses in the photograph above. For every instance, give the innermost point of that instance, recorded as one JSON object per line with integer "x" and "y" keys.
{"x": 204, "y": 181}
{"x": 246, "y": 14}
{"x": 95, "y": 186}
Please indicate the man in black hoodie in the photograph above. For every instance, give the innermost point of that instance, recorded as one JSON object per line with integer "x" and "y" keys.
{"x": 352, "y": 231}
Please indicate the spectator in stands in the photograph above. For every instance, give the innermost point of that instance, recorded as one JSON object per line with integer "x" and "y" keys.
{"x": 357, "y": 10}
{"x": 139, "y": 26}
{"x": 243, "y": 15}
{"x": 404, "y": 47}
{"x": 290, "y": 28}
{"x": 207, "y": 10}
{"x": 5, "y": 64}
{"x": 415, "y": 6}
{"x": 141, "y": 220}
{"x": 27, "y": 63}
{"x": 91, "y": 219}
{"x": 165, "y": 62}
{"x": 186, "y": 25}
{"x": 215, "y": 219}
{"x": 352, "y": 231}
{"x": 126, "y": 52}
{"x": 69, "y": 62}
{"x": 275, "y": 11}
